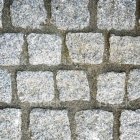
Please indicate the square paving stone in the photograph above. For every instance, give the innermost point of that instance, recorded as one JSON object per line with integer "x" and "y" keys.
{"x": 10, "y": 124}
{"x": 49, "y": 125}
{"x": 72, "y": 85}
{"x": 28, "y": 13}
{"x": 35, "y": 87}
{"x": 70, "y": 14}
{"x": 111, "y": 87}
{"x": 94, "y": 125}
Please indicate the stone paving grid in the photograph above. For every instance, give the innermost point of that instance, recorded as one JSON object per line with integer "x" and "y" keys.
{"x": 118, "y": 113}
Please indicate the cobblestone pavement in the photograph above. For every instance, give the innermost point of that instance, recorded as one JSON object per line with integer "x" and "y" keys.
{"x": 70, "y": 69}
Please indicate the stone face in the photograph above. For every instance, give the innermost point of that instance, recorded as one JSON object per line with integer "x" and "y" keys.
{"x": 116, "y": 14}
{"x": 111, "y": 88}
{"x": 85, "y": 47}
{"x": 44, "y": 49}
{"x": 130, "y": 125}
{"x": 133, "y": 86}
{"x": 49, "y": 125}
{"x": 72, "y": 85}
{"x": 5, "y": 86}
{"x": 125, "y": 50}
{"x": 1, "y": 7}
{"x": 28, "y": 13}
{"x": 94, "y": 125}
{"x": 35, "y": 87}
{"x": 10, "y": 124}
{"x": 71, "y": 14}
{"x": 10, "y": 48}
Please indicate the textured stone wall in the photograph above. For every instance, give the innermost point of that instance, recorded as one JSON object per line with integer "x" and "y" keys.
{"x": 70, "y": 69}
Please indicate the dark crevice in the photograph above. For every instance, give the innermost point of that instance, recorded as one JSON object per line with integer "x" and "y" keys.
{"x": 116, "y": 125}
{"x": 47, "y": 4}
{"x": 138, "y": 12}
{"x": 25, "y": 117}
{"x": 6, "y": 16}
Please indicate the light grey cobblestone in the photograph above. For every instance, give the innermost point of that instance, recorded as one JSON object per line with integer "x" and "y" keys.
{"x": 94, "y": 125}
{"x": 118, "y": 14}
{"x": 5, "y": 86}
{"x": 111, "y": 88}
{"x": 85, "y": 48}
{"x": 125, "y": 50}
{"x": 71, "y": 14}
{"x": 73, "y": 85}
{"x": 49, "y": 125}
{"x": 130, "y": 125}
{"x": 28, "y": 13}
{"x": 44, "y": 49}
{"x": 133, "y": 87}
{"x": 10, "y": 124}
{"x": 35, "y": 87}
{"x": 10, "y": 48}
{"x": 1, "y": 7}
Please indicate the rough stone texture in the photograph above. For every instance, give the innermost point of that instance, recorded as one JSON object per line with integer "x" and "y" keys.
{"x": 85, "y": 48}
{"x": 44, "y": 49}
{"x": 35, "y": 87}
{"x": 49, "y": 125}
{"x": 5, "y": 86}
{"x": 125, "y": 50}
{"x": 133, "y": 86}
{"x": 73, "y": 85}
{"x": 10, "y": 124}
{"x": 130, "y": 125}
{"x": 111, "y": 88}
{"x": 72, "y": 14}
{"x": 10, "y": 48}
{"x": 116, "y": 14}
{"x": 28, "y": 13}
{"x": 94, "y": 125}
{"x": 1, "y": 7}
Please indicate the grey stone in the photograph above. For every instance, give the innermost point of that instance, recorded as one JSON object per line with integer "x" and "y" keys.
{"x": 10, "y": 48}
{"x": 1, "y": 7}
{"x": 5, "y": 86}
{"x": 111, "y": 87}
{"x": 72, "y": 85}
{"x": 125, "y": 50}
{"x": 49, "y": 125}
{"x": 44, "y": 49}
{"x": 85, "y": 48}
{"x": 35, "y": 87}
{"x": 10, "y": 124}
{"x": 133, "y": 86}
{"x": 72, "y": 14}
{"x": 28, "y": 13}
{"x": 94, "y": 125}
{"x": 130, "y": 125}
{"x": 116, "y": 14}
